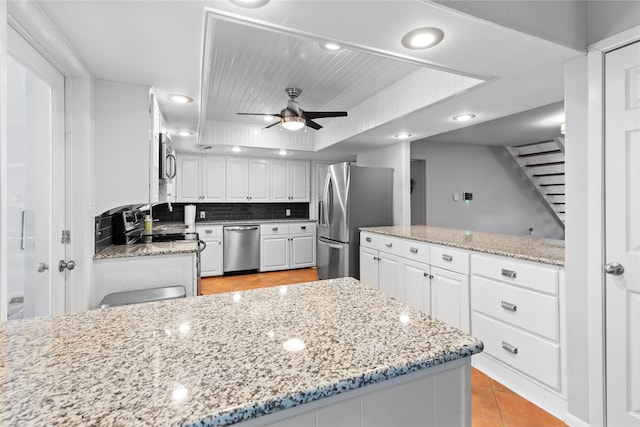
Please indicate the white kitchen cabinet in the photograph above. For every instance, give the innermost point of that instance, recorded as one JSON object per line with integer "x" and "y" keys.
{"x": 290, "y": 181}
{"x": 450, "y": 298}
{"x": 200, "y": 178}
{"x": 247, "y": 180}
{"x": 516, "y": 312}
{"x": 211, "y": 261}
{"x": 143, "y": 272}
{"x": 125, "y": 141}
{"x": 402, "y": 268}
{"x": 286, "y": 246}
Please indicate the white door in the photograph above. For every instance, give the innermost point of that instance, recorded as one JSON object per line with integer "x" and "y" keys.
{"x": 274, "y": 253}
{"x": 188, "y": 179}
{"x": 417, "y": 288}
{"x": 622, "y": 246}
{"x": 258, "y": 180}
{"x": 390, "y": 274}
{"x": 278, "y": 181}
{"x": 35, "y": 183}
{"x": 303, "y": 251}
{"x": 299, "y": 186}
{"x": 369, "y": 267}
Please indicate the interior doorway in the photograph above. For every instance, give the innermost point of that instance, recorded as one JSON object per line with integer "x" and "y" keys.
{"x": 418, "y": 192}
{"x": 35, "y": 182}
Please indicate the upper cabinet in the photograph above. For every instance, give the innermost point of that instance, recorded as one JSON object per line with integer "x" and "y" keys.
{"x": 204, "y": 178}
{"x": 290, "y": 181}
{"x": 201, "y": 178}
{"x": 247, "y": 180}
{"x": 125, "y": 141}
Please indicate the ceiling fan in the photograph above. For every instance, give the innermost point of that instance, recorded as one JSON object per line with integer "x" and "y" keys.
{"x": 293, "y": 117}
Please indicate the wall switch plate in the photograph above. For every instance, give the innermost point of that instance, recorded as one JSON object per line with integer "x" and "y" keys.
{"x": 203, "y": 214}
{"x": 468, "y": 196}
{"x": 287, "y": 212}
{"x": 456, "y": 197}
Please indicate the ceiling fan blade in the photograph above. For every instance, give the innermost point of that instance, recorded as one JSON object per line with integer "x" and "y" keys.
{"x": 272, "y": 124}
{"x": 321, "y": 114}
{"x": 313, "y": 125}
{"x": 259, "y": 114}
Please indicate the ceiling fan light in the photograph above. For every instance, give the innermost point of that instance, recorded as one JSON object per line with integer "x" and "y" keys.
{"x": 463, "y": 117}
{"x": 422, "y": 38}
{"x": 293, "y": 122}
{"x": 252, "y": 4}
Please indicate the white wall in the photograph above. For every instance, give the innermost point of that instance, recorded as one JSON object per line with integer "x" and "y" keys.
{"x": 576, "y": 155}
{"x": 394, "y": 156}
{"x": 504, "y": 200}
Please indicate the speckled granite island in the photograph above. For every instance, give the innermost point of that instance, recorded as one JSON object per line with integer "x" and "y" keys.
{"x": 322, "y": 353}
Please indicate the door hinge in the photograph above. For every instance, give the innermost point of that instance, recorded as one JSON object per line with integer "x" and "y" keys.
{"x": 66, "y": 237}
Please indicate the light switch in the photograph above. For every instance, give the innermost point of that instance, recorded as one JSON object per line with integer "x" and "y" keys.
{"x": 202, "y": 214}
{"x": 456, "y": 197}
{"x": 287, "y": 212}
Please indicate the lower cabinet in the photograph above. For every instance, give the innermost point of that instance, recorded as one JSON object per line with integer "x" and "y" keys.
{"x": 287, "y": 246}
{"x": 401, "y": 268}
{"x": 211, "y": 257}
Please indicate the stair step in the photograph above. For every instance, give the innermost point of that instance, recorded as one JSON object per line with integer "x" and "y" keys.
{"x": 537, "y": 175}
{"x": 533, "y": 165}
{"x": 551, "y": 185}
{"x": 529, "y": 144}
{"x": 555, "y": 194}
{"x": 540, "y": 153}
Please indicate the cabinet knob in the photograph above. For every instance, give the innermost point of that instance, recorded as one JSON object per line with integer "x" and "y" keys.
{"x": 447, "y": 258}
{"x": 274, "y": 229}
{"x": 304, "y": 227}
{"x": 413, "y": 250}
{"x": 388, "y": 244}
{"x": 368, "y": 239}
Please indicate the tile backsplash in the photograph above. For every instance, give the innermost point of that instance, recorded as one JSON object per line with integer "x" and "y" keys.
{"x": 233, "y": 211}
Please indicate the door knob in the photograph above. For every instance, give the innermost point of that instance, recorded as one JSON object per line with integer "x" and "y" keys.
{"x": 70, "y": 265}
{"x": 42, "y": 267}
{"x": 614, "y": 268}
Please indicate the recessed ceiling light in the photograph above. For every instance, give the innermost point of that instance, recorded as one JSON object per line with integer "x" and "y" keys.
{"x": 422, "y": 38}
{"x": 181, "y": 99}
{"x": 183, "y": 133}
{"x": 463, "y": 117}
{"x": 237, "y": 149}
{"x": 268, "y": 118}
{"x": 330, "y": 46}
{"x": 403, "y": 135}
{"x": 283, "y": 152}
{"x": 253, "y": 4}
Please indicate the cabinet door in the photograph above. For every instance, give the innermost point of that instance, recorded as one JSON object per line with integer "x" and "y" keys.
{"x": 237, "y": 180}
{"x": 211, "y": 258}
{"x": 213, "y": 179}
{"x": 390, "y": 273}
{"x": 417, "y": 286}
{"x": 278, "y": 181}
{"x": 274, "y": 253}
{"x": 258, "y": 180}
{"x": 303, "y": 251}
{"x": 450, "y": 298}
{"x": 188, "y": 179}
{"x": 299, "y": 185}
{"x": 369, "y": 267}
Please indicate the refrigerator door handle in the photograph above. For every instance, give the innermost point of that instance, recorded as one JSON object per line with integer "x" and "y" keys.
{"x": 332, "y": 245}
{"x": 321, "y": 213}
{"x": 328, "y": 199}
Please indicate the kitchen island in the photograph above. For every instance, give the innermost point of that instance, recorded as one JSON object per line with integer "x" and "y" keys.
{"x": 318, "y": 353}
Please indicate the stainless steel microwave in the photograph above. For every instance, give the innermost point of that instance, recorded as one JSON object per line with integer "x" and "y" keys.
{"x": 168, "y": 164}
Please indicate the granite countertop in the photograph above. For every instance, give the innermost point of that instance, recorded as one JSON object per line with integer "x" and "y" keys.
{"x": 548, "y": 251}
{"x": 216, "y": 359}
{"x": 145, "y": 249}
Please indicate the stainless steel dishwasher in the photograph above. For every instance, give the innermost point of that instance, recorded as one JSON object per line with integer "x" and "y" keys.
{"x": 241, "y": 248}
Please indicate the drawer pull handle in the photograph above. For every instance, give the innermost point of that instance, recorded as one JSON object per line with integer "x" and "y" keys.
{"x": 388, "y": 244}
{"x": 509, "y": 347}
{"x": 208, "y": 231}
{"x": 304, "y": 227}
{"x": 368, "y": 239}
{"x": 509, "y": 306}
{"x": 413, "y": 250}
{"x": 508, "y": 273}
{"x": 274, "y": 229}
{"x": 447, "y": 257}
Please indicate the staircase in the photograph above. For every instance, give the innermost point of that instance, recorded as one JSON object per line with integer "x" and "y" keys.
{"x": 543, "y": 163}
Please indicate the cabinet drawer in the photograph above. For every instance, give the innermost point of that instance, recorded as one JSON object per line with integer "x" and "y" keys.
{"x": 523, "y": 308}
{"x": 302, "y": 228}
{"x": 208, "y": 231}
{"x": 528, "y": 354}
{"x": 391, "y": 245}
{"x": 369, "y": 240}
{"x": 274, "y": 229}
{"x": 412, "y": 249}
{"x": 522, "y": 273}
{"x": 450, "y": 259}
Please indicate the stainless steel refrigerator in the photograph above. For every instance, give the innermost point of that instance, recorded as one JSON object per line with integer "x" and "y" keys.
{"x": 354, "y": 197}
